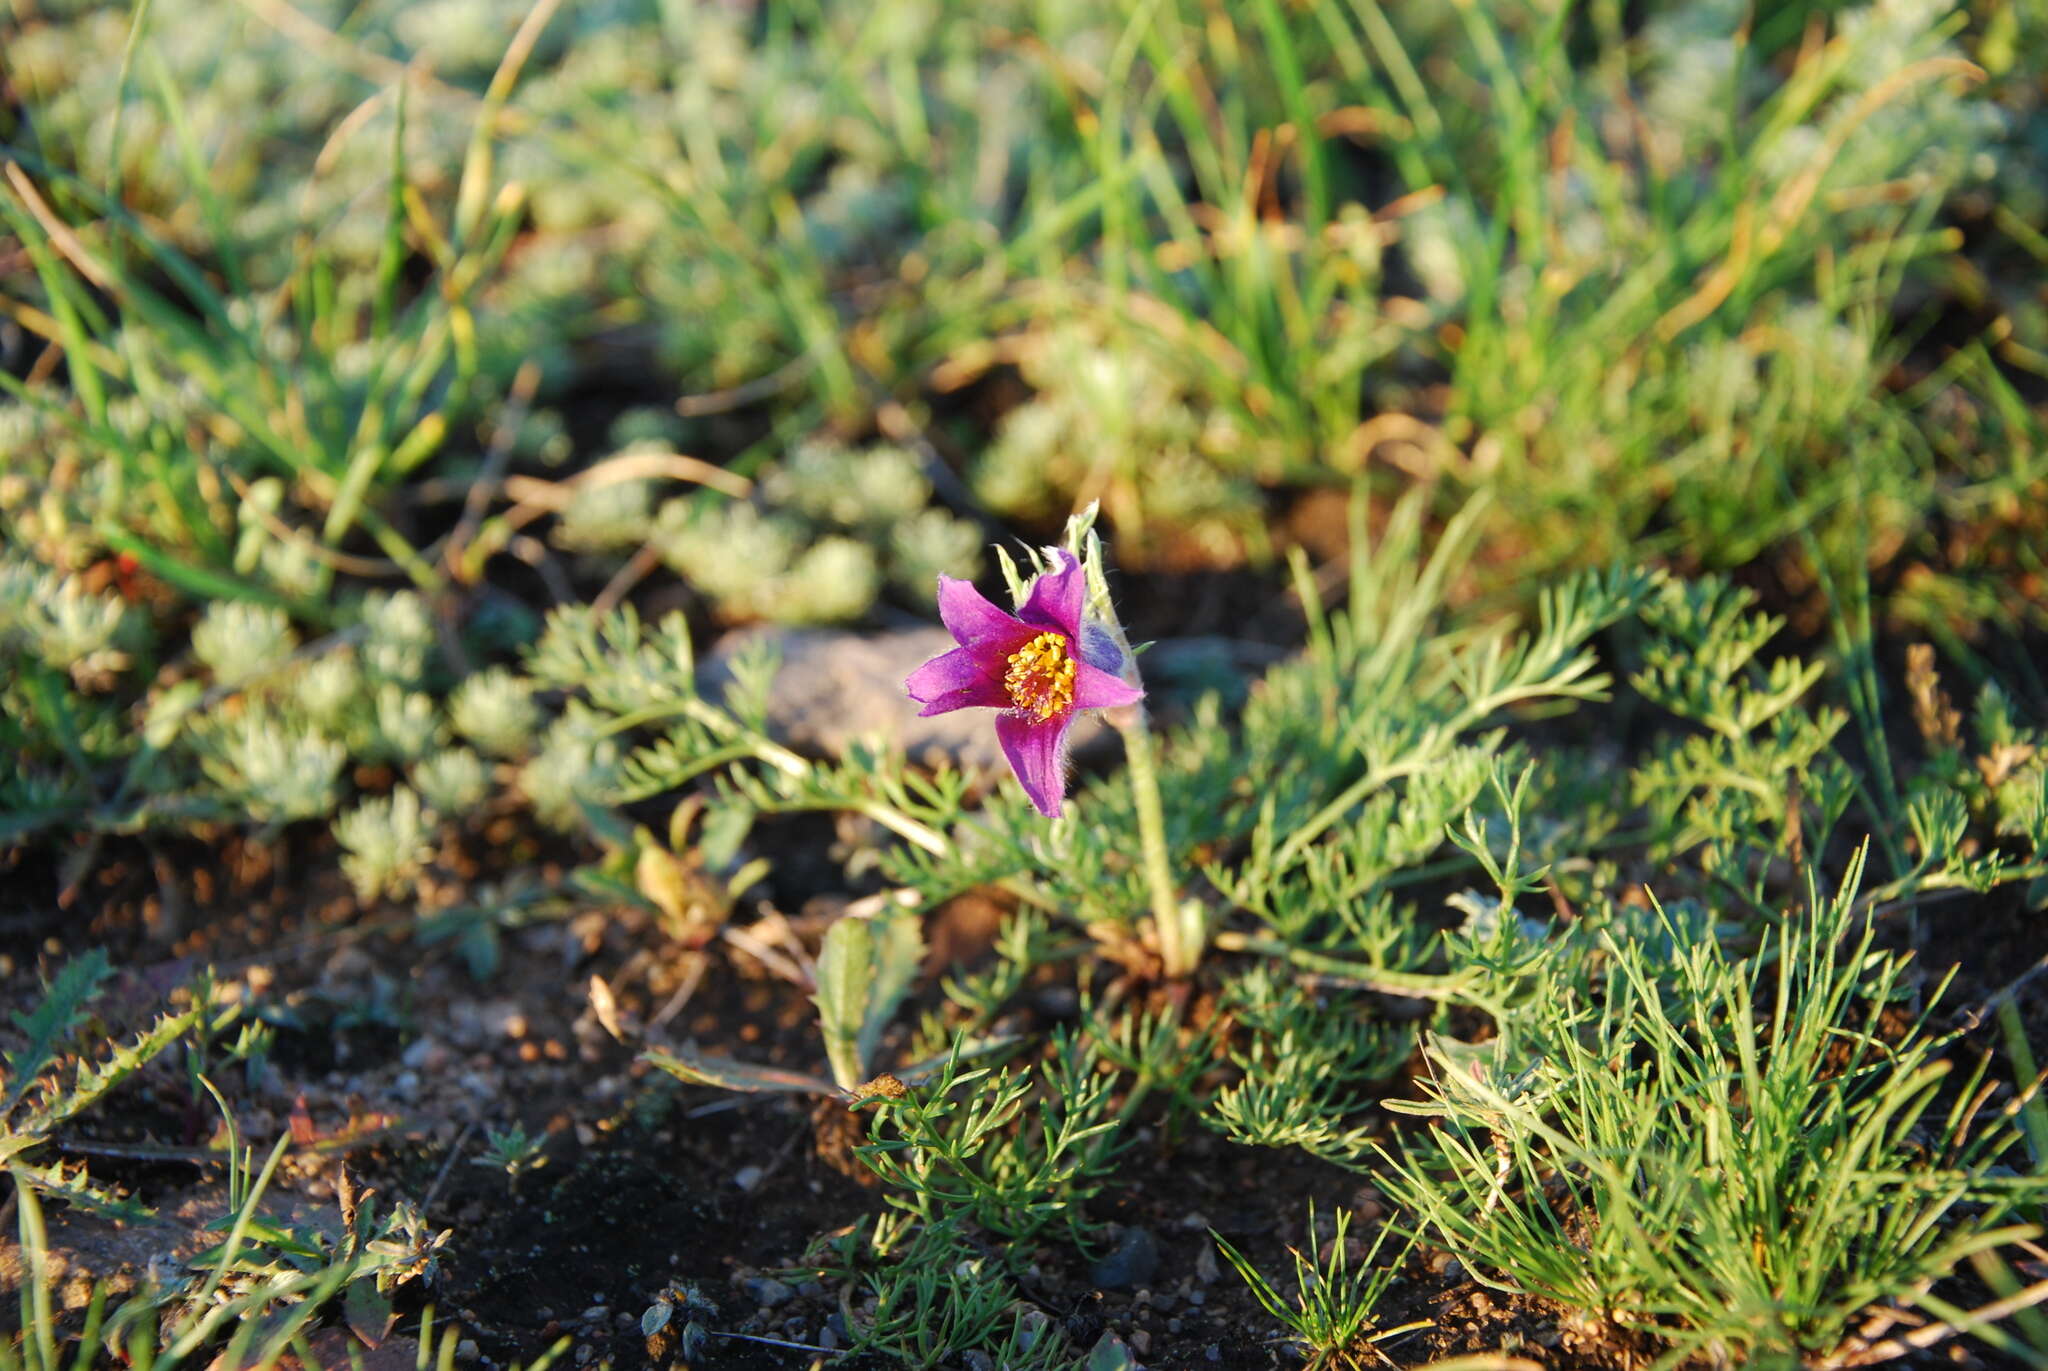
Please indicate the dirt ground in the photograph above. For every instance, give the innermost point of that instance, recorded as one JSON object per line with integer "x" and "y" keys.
{"x": 393, "y": 1057}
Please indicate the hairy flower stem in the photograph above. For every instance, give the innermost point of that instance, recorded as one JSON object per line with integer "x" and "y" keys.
{"x": 1180, "y": 931}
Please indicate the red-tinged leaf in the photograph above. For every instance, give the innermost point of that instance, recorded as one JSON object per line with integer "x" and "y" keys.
{"x": 729, "y": 1073}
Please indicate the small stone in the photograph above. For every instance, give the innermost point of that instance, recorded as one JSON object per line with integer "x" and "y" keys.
{"x": 828, "y": 1341}
{"x": 767, "y": 1292}
{"x": 466, "y": 1350}
{"x": 978, "y": 1361}
{"x": 810, "y": 1290}
{"x": 1198, "y": 1298}
{"x": 1057, "y": 1002}
{"x": 1130, "y": 1264}
{"x": 1206, "y": 1270}
{"x": 747, "y": 1177}
{"x": 1214, "y": 1353}
{"x": 1173, "y": 1325}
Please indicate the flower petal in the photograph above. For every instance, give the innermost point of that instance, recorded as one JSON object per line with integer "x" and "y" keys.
{"x": 968, "y": 614}
{"x": 960, "y": 679}
{"x": 1037, "y": 750}
{"x": 1056, "y": 597}
{"x": 1095, "y": 688}
{"x": 980, "y": 695}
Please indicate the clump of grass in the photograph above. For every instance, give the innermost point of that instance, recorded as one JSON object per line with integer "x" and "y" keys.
{"x": 1739, "y": 1153}
{"x": 1331, "y": 1318}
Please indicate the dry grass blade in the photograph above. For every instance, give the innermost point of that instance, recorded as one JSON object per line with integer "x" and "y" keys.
{"x": 1920, "y": 1339}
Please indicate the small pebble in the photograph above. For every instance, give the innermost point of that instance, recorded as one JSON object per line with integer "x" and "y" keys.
{"x": 767, "y": 1292}
{"x": 978, "y": 1361}
{"x": 1130, "y": 1264}
{"x": 1214, "y": 1353}
{"x": 747, "y": 1177}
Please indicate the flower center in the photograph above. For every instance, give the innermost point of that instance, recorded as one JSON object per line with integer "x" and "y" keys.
{"x": 1041, "y": 677}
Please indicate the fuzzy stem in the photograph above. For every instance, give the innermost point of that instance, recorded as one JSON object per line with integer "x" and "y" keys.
{"x": 1180, "y": 939}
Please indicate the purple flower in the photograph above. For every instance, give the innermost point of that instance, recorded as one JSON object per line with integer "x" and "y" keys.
{"x": 1038, "y": 666}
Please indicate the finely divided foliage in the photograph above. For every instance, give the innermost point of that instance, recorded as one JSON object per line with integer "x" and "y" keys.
{"x": 1631, "y": 412}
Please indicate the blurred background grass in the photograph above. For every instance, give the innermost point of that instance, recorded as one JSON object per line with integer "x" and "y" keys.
{"x": 778, "y": 310}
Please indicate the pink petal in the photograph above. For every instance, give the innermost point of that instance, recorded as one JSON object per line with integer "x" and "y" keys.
{"x": 970, "y": 617}
{"x": 980, "y": 695}
{"x": 1095, "y": 688}
{"x": 1056, "y": 597}
{"x": 960, "y": 679}
{"x": 1038, "y": 754}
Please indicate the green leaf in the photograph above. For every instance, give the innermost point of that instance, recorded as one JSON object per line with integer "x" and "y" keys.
{"x": 62, "y": 1010}
{"x": 866, "y": 968}
{"x": 898, "y": 954}
{"x": 846, "y": 969}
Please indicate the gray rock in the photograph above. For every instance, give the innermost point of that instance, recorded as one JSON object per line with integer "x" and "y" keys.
{"x": 1130, "y": 1264}
{"x": 767, "y": 1292}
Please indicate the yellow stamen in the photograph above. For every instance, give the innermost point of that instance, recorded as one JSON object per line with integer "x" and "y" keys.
{"x": 1041, "y": 677}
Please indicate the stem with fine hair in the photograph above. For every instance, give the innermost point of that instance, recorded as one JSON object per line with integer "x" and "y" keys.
{"x": 1180, "y": 937}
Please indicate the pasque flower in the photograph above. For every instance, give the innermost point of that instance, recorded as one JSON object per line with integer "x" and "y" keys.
{"x": 1039, "y": 667}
